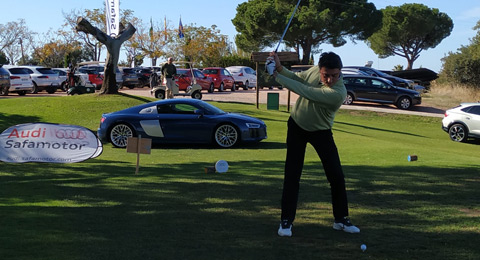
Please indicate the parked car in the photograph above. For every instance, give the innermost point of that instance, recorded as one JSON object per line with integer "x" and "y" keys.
{"x": 83, "y": 78}
{"x": 130, "y": 78}
{"x": 180, "y": 120}
{"x": 93, "y": 76}
{"x": 379, "y": 90}
{"x": 62, "y": 74}
{"x": 190, "y": 85}
{"x": 4, "y": 81}
{"x": 222, "y": 79}
{"x": 100, "y": 67}
{"x": 245, "y": 77}
{"x": 143, "y": 75}
{"x": 184, "y": 79}
{"x": 43, "y": 78}
{"x": 404, "y": 83}
{"x": 462, "y": 122}
{"x": 20, "y": 80}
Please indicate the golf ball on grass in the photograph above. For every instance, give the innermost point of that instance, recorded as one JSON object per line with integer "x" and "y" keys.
{"x": 363, "y": 247}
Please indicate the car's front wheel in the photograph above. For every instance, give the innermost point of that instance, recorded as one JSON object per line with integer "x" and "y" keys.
{"x": 221, "y": 87}
{"x": 119, "y": 135}
{"x": 197, "y": 95}
{"x": 4, "y": 91}
{"x": 245, "y": 87}
{"x": 226, "y": 136}
{"x": 458, "y": 133}
{"x": 348, "y": 99}
{"x": 160, "y": 94}
{"x": 404, "y": 103}
{"x": 211, "y": 88}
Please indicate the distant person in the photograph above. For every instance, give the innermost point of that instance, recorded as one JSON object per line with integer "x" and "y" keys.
{"x": 71, "y": 76}
{"x": 153, "y": 79}
{"x": 321, "y": 93}
{"x": 168, "y": 71}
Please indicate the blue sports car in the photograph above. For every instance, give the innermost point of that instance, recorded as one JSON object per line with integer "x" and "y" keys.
{"x": 180, "y": 121}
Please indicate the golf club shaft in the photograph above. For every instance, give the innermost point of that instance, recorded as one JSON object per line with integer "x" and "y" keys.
{"x": 286, "y": 28}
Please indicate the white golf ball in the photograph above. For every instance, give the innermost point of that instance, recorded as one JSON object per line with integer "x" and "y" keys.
{"x": 363, "y": 247}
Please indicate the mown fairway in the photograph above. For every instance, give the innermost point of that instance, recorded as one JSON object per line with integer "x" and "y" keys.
{"x": 99, "y": 209}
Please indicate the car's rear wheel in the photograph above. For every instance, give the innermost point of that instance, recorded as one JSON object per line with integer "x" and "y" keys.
{"x": 119, "y": 135}
{"x": 160, "y": 94}
{"x": 35, "y": 88}
{"x": 245, "y": 87}
{"x": 197, "y": 94}
{"x": 51, "y": 90}
{"x": 226, "y": 136}
{"x": 404, "y": 103}
{"x": 348, "y": 99}
{"x": 221, "y": 87}
{"x": 211, "y": 88}
{"x": 4, "y": 91}
{"x": 458, "y": 133}
{"x": 234, "y": 87}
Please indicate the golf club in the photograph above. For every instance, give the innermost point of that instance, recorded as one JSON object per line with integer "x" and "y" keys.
{"x": 288, "y": 25}
{"x": 270, "y": 63}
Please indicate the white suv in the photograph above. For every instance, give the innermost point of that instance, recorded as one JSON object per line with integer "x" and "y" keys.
{"x": 462, "y": 122}
{"x": 43, "y": 79}
{"x": 20, "y": 79}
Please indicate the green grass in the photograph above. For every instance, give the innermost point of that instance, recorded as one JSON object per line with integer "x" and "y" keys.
{"x": 99, "y": 209}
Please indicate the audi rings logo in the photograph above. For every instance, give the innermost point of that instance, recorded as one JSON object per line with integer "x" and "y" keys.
{"x": 44, "y": 142}
{"x": 69, "y": 133}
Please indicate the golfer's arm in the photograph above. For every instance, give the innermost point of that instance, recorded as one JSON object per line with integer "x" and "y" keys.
{"x": 326, "y": 96}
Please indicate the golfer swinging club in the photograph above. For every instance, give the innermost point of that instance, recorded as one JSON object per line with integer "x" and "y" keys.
{"x": 321, "y": 93}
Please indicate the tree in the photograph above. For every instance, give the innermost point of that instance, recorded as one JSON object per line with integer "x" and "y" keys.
{"x": 150, "y": 40}
{"x": 201, "y": 45}
{"x": 462, "y": 67}
{"x": 260, "y": 23}
{"x": 113, "y": 45}
{"x": 15, "y": 40}
{"x": 97, "y": 18}
{"x": 409, "y": 29}
{"x": 3, "y": 58}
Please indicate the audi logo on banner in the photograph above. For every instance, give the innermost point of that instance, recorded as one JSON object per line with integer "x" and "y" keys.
{"x": 44, "y": 142}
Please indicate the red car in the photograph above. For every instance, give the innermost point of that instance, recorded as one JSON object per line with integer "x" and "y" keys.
{"x": 93, "y": 76}
{"x": 222, "y": 79}
{"x": 184, "y": 79}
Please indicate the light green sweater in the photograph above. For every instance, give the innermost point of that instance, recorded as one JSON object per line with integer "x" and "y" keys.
{"x": 317, "y": 104}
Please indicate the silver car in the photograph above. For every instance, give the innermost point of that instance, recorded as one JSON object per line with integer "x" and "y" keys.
{"x": 43, "y": 79}
{"x": 244, "y": 77}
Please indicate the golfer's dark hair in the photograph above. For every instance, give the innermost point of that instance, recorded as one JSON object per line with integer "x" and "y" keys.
{"x": 330, "y": 60}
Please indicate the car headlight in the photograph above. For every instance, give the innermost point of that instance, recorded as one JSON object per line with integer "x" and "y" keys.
{"x": 253, "y": 125}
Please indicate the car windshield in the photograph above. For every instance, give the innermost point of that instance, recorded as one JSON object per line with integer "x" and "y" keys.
{"x": 46, "y": 71}
{"x": 213, "y": 110}
{"x": 18, "y": 71}
{"x": 210, "y": 71}
{"x": 234, "y": 70}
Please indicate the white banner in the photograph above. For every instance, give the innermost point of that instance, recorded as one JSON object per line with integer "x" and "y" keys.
{"x": 112, "y": 17}
{"x": 44, "y": 142}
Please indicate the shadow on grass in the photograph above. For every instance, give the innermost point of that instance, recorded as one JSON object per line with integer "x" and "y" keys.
{"x": 7, "y": 121}
{"x": 101, "y": 210}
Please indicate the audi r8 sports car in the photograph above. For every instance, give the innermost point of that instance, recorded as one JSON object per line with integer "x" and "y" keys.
{"x": 180, "y": 121}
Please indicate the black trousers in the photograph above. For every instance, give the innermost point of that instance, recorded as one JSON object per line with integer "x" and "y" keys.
{"x": 323, "y": 142}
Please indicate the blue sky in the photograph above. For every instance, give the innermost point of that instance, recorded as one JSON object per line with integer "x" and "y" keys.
{"x": 42, "y": 15}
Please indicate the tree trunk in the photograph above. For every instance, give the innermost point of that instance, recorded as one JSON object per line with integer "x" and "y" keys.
{"x": 113, "y": 45}
{"x": 307, "y": 49}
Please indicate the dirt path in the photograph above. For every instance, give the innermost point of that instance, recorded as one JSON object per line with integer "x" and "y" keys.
{"x": 249, "y": 96}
